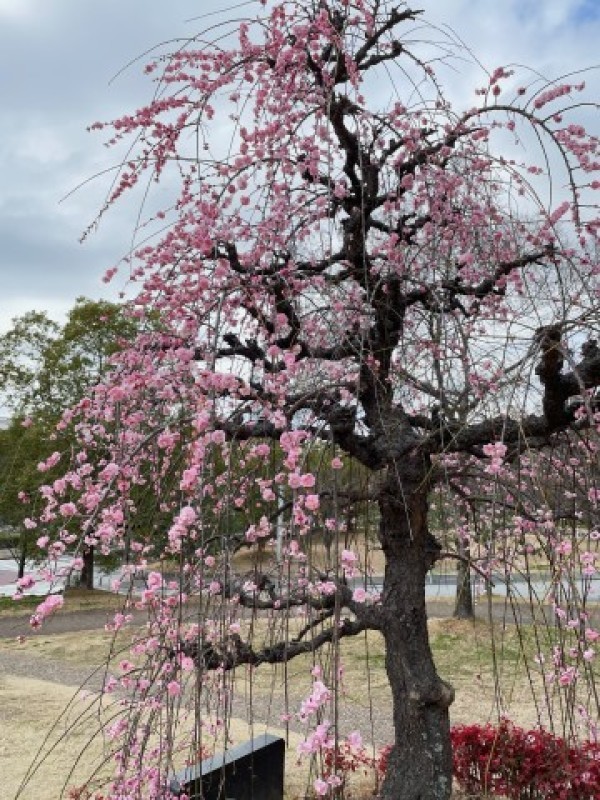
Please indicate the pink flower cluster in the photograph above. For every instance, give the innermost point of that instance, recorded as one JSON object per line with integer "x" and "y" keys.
{"x": 319, "y": 696}
{"x": 46, "y": 609}
{"x": 497, "y": 452}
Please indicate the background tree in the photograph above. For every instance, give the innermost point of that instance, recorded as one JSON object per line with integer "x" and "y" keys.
{"x": 359, "y": 267}
{"x": 45, "y": 368}
{"x": 22, "y": 449}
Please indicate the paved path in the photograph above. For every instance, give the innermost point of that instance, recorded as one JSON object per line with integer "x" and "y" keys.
{"x": 65, "y": 621}
{"x": 14, "y": 625}
{"x": 266, "y": 708}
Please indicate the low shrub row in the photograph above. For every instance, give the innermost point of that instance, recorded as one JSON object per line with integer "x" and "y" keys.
{"x": 507, "y": 761}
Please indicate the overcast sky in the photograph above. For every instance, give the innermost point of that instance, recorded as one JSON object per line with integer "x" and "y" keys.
{"x": 57, "y": 58}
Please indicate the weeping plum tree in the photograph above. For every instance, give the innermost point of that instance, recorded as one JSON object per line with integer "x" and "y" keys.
{"x": 351, "y": 264}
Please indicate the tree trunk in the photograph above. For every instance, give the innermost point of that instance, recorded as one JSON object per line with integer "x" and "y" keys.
{"x": 22, "y": 555}
{"x": 463, "y": 607}
{"x": 420, "y": 764}
{"x": 87, "y": 571}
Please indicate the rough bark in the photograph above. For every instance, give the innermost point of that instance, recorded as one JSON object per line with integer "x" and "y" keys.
{"x": 420, "y": 764}
{"x": 22, "y": 556}
{"x": 87, "y": 571}
{"x": 463, "y": 607}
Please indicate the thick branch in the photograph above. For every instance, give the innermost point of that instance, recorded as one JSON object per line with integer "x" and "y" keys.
{"x": 233, "y": 651}
{"x": 442, "y": 297}
{"x": 559, "y": 386}
{"x": 531, "y": 431}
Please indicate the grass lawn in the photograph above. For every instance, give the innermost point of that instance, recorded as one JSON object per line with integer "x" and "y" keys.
{"x": 75, "y": 600}
{"x": 491, "y": 670}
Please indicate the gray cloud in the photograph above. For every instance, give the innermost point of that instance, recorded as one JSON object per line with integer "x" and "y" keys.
{"x": 56, "y": 62}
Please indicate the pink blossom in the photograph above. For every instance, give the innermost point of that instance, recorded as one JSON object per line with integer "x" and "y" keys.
{"x": 154, "y": 581}
{"x": 568, "y": 676}
{"x": 312, "y": 502}
{"x": 26, "y": 582}
{"x": 295, "y": 480}
{"x": 589, "y": 654}
{"x": 187, "y": 516}
{"x": 45, "y": 609}
{"x": 189, "y": 479}
{"x": 319, "y": 696}
{"x": 354, "y": 739}
{"x": 495, "y": 450}
{"x": 119, "y": 620}
{"x": 326, "y": 587}
{"x": 564, "y": 547}
{"x": 50, "y": 462}
{"x": 110, "y": 471}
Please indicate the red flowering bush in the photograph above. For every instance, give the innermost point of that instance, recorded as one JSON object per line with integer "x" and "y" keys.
{"x": 346, "y": 759}
{"x": 340, "y": 762}
{"x": 510, "y": 762}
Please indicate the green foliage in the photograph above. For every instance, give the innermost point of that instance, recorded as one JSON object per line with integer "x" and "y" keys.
{"x": 45, "y": 368}
{"x": 22, "y": 356}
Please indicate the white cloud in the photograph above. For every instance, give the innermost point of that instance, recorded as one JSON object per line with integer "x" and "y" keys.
{"x": 67, "y": 50}
{"x": 16, "y": 10}
{"x": 44, "y": 145}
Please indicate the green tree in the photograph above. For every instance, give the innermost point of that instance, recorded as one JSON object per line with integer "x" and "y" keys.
{"x": 45, "y": 368}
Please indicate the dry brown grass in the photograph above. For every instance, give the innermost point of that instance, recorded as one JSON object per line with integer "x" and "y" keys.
{"x": 44, "y": 749}
{"x": 75, "y": 600}
{"x": 31, "y": 710}
{"x": 463, "y": 654}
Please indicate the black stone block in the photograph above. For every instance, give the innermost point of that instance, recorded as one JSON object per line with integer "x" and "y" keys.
{"x": 251, "y": 771}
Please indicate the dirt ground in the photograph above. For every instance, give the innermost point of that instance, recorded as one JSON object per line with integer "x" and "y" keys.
{"x": 48, "y": 729}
